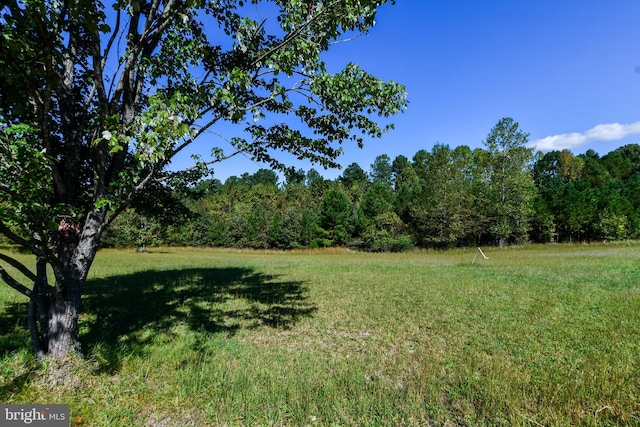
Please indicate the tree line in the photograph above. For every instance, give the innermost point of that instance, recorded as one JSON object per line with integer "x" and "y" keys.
{"x": 503, "y": 193}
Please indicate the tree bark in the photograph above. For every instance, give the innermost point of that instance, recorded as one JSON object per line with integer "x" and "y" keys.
{"x": 63, "y": 333}
{"x": 54, "y": 310}
{"x": 38, "y": 309}
{"x": 32, "y": 320}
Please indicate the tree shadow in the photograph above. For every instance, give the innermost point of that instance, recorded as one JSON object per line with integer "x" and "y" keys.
{"x": 122, "y": 315}
{"x": 14, "y": 338}
{"x": 126, "y": 313}
{"x": 14, "y": 334}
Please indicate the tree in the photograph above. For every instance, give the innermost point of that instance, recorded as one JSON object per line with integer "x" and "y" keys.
{"x": 313, "y": 177}
{"x": 354, "y": 175}
{"x": 631, "y": 153}
{"x": 377, "y": 200}
{"x": 296, "y": 178}
{"x": 96, "y": 98}
{"x": 355, "y": 182}
{"x": 377, "y": 220}
{"x": 441, "y": 212}
{"x": 618, "y": 165}
{"x": 335, "y": 216}
{"x": 405, "y": 183}
{"x": 382, "y": 171}
{"x": 510, "y": 188}
{"x": 569, "y": 166}
{"x": 264, "y": 177}
{"x": 594, "y": 171}
{"x": 578, "y": 210}
{"x": 403, "y": 173}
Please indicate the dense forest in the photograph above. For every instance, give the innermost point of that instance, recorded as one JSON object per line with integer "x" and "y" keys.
{"x": 503, "y": 193}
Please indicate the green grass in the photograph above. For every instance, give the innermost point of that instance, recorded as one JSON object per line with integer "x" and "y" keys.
{"x": 536, "y": 335}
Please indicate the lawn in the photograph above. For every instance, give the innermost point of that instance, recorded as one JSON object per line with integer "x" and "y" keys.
{"x": 534, "y": 335}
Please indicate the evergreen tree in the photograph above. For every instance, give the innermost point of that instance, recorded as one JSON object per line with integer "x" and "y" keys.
{"x": 382, "y": 171}
{"x": 354, "y": 175}
{"x": 335, "y": 216}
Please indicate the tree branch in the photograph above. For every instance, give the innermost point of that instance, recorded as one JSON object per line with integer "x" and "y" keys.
{"x": 129, "y": 198}
{"x": 211, "y": 162}
{"x": 35, "y": 96}
{"x": 20, "y": 241}
{"x": 293, "y": 35}
{"x": 18, "y": 266}
{"x": 14, "y": 283}
{"x": 112, "y": 39}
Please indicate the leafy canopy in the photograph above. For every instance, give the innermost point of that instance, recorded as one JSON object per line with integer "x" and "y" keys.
{"x": 97, "y": 97}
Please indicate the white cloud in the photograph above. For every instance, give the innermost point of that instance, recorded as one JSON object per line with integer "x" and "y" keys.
{"x": 604, "y": 132}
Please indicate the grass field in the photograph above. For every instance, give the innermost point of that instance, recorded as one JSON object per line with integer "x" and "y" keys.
{"x": 533, "y": 336}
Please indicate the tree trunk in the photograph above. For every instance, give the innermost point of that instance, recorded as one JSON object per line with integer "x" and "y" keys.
{"x": 38, "y": 306}
{"x": 36, "y": 338}
{"x": 53, "y": 317}
{"x": 64, "y": 335}
{"x": 61, "y": 329}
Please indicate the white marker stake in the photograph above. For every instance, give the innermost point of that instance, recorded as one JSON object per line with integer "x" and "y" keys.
{"x": 476, "y": 254}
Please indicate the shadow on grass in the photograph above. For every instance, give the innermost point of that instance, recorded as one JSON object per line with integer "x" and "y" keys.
{"x": 122, "y": 315}
{"x": 126, "y": 313}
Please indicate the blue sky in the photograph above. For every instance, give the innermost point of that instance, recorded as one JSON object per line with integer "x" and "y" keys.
{"x": 568, "y": 71}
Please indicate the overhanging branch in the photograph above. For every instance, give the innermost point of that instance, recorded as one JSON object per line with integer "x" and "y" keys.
{"x": 6, "y": 277}
{"x": 18, "y": 266}
{"x": 20, "y": 241}
{"x": 292, "y": 36}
